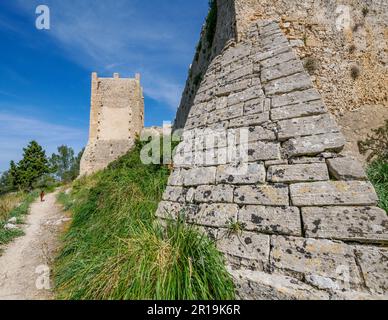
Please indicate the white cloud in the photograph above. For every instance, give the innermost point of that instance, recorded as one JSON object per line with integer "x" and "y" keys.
{"x": 118, "y": 36}
{"x": 16, "y": 131}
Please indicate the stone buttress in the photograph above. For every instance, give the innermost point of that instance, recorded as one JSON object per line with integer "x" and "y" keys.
{"x": 300, "y": 221}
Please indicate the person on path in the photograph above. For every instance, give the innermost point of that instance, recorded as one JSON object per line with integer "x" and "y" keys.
{"x": 42, "y": 196}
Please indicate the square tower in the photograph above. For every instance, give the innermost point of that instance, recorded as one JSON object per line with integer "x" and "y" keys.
{"x": 116, "y": 118}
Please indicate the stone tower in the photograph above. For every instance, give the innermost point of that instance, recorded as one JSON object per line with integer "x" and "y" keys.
{"x": 299, "y": 220}
{"x": 116, "y": 117}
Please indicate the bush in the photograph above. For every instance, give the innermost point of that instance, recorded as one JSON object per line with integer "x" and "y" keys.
{"x": 378, "y": 175}
{"x": 355, "y": 72}
{"x": 117, "y": 249}
{"x": 376, "y": 145}
{"x": 20, "y": 204}
{"x": 311, "y": 65}
{"x": 211, "y": 22}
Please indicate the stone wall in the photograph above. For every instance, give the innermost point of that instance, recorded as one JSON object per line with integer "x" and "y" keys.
{"x": 116, "y": 117}
{"x": 224, "y": 33}
{"x": 295, "y": 218}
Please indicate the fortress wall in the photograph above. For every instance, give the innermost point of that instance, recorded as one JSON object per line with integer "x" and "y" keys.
{"x": 225, "y": 32}
{"x": 116, "y": 117}
{"x": 295, "y": 218}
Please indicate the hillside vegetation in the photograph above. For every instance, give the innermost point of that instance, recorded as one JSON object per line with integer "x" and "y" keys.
{"x": 116, "y": 249}
{"x": 14, "y": 205}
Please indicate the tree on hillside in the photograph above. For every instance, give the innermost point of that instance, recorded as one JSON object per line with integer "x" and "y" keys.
{"x": 5, "y": 182}
{"x": 33, "y": 166}
{"x": 65, "y": 166}
{"x": 13, "y": 175}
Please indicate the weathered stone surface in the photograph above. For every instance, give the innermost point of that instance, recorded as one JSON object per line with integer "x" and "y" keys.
{"x": 226, "y": 113}
{"x": 259, "y": 133}
{"x": 250, "y": 173}
{"x": 281, "y": 70}
{"x": 296, "y": 97}
{"x": 199, "y": 176}
{"x": 270, "y": 54}
{"x": 298, "y": 110}
{"x": 260, "y": 151}
{"x": 254, "y": 106}
{"x": 246, "y": 245}
{"x": 271, "y": 220}
{"x": 254, "y": 285}
{"x": 346, "y": 169}
{"x": 366, "y": 224}
{"x": 176, "y": 178}
{"x": 269, "y": 195}
{"x": 298, "y": 173}
{"x": 168, "y": 210}
{"x": 307, "y": 160}
{"x": 175, "y": 194}
{"x": 340, "y": 193}
{"x": 282, "y": 57}
{"x": 374, "y": 267}
{"x": 214, "y": 215}
{"x": 322, "y": 259}
{"x": 270, "y": 163}
{"x": 306, "y": 126}
{"x": 299, "y": 81}
{"x": 249, "y": 120}
{"x": 218, "y": 193}
{"x": 314, "y": 145}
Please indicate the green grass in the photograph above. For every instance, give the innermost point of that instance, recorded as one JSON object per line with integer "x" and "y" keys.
{"x": 378, "y": 175}
{"x": 18, "y": 212}
{"x": 116, "y": 249}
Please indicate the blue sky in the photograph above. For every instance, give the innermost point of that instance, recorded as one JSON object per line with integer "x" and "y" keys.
{"x": 45, "y": 74}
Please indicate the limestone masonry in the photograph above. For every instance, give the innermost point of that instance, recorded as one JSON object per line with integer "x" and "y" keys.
{"x": 116, "y": 117}
{"x": 301, "y": 220}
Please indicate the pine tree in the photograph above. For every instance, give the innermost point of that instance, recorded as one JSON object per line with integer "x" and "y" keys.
{"x": 14, "y": 177}
{"x": 33, "y": 166}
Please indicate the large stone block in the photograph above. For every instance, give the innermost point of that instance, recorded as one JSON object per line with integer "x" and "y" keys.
{"x": 199, "y": 176}
{"x": 325, "y": 264}
{"x": 299, "y": 81}
{"x": 297, "y": 97}
{"x": 306, "y": 126}
{"x": 249, "y": 173}
{"x": 218, "y": 215}
{"x": 340, "y": 193}
{"x": 298, "y": 110}
{"x": 169, "y": 210}
{"x": 314, "y": 145}
{"x": 346, "y": 169}
{"x": 281, "y": 70}
{"x": 271, "y": 220}
{"x": 262, "y": 151}
{"x": 218, "y": 193}
{"x": 374, "y": 267}
{"x": 298, "y": 173}
{"x": 245, "y": 245}
{"x": 175, "y": 194}
{"x": 254, "y": 285}
{"x": 268, "y": 195}
{"x": 249, "y": 120}
{"x": 365, "y": 224}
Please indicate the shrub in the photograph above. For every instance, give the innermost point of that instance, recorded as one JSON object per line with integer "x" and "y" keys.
{"x": 211, "y": 22}
{"x": 378, "y": 175}
{"x": 352, "y": 49}
{"x": 376, "y": 144}
{"x": 365, "y": 11}
{"x": 311, "y": 65}
{"x": 355, "y": 72}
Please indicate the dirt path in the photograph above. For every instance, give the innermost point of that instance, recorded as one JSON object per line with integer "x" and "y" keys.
{"x": 24, "y": 265}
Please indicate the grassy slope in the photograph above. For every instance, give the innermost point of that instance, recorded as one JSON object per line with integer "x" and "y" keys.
{"x": 115, "y": 249}
{"x": 378, "y": 174}
{"x": 14, "y": 205}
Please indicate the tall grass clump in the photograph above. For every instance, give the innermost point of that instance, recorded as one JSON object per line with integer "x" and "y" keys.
{"x": 116, "y": 249}
{"x": 14, "y": 205}
{"x": 378, "y": 175}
